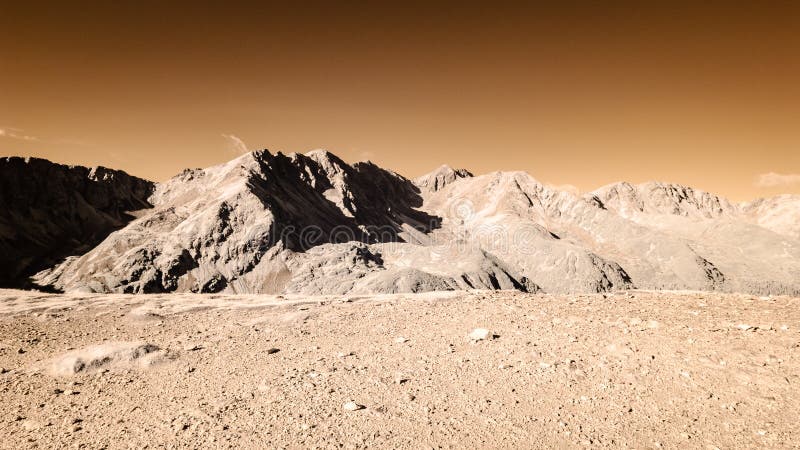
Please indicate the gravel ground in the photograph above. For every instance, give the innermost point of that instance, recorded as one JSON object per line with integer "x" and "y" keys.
{"x": 636, "y": 369}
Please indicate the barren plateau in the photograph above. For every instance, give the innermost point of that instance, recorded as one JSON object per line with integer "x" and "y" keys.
{"x": 481, "y": 369}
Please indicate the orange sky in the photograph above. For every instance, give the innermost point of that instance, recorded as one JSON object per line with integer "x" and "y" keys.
{"x": 584, "y": 94}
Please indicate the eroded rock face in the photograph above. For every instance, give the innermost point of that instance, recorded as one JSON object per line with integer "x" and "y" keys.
{"x": 49, "y": 211}
{"x": 313, "y": 224}
{"x": 441, "y": 177}
{"x": 664, "y": 198}
{"x": 244, "y": 225}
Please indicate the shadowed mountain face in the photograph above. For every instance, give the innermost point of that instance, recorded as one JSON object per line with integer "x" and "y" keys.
{"x": 313, "y": 224}
{"x": 49, "y": 211}
{"x": 317, "y": 198}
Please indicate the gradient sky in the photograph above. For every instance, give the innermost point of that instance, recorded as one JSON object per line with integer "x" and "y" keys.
{"x": 580, "y": 93}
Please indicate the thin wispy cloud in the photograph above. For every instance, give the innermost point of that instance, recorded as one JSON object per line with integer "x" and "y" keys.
{"x": 16, "y": 133}
{"x": 772, "y": 179}
{"x": 235, "y": 144}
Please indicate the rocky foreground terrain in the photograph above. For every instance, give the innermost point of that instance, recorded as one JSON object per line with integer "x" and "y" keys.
{"x": 478, "y": 369}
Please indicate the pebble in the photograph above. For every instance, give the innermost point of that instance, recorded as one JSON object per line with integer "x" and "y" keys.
{"x": 352, "y": 406}
{"x": 31, "y": 425}
{"x": 480, "y": 334}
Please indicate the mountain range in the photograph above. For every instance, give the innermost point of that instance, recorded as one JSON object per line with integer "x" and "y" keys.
{"x": 314, "y": 224}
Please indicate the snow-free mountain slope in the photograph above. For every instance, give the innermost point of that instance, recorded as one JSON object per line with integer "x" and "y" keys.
{"x": 274, "y": 223}
{"x": 780, "y": 214}
{"x": 313, "y": 224}
{"x": 663, "y": 198}
{"x": 228, "y": 223}
{"x": 49, "y": 211}
{"x": 441, "y": 177}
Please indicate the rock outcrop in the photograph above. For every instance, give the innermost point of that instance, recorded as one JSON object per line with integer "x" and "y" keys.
{"x": 49, "y": 211}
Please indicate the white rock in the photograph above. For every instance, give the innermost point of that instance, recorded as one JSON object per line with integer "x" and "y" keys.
{"x": 480, "y": 334}
{"x": 352, "y": 406}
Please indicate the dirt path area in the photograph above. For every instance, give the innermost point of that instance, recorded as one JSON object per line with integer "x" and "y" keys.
{"x": 637, "y": 369}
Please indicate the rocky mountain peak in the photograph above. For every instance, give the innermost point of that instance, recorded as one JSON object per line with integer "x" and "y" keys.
{"x": 663, "y": 198}
{"x": 441, "y": 177}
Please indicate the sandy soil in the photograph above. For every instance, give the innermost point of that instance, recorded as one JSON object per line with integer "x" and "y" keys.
{"x": 637, "y": 369}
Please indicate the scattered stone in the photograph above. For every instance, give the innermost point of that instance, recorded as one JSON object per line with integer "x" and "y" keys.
{"x": 352, "y": 406}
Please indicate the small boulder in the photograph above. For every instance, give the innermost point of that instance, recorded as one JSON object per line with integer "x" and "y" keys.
{"x": 352, "y": 406}
{"x": 480, "y": 334}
